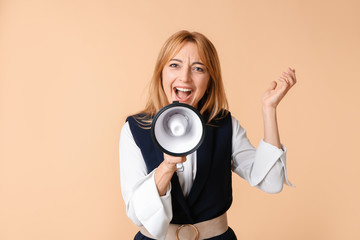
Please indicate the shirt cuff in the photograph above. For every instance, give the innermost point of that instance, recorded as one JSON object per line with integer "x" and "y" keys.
{"x": 265, "y": 158}
{"x": 152, "y": 210}
{"x": 283, "y": 161}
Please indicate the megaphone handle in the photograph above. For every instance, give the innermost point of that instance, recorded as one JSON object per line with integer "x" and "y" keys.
{"x": 179, "y": 167}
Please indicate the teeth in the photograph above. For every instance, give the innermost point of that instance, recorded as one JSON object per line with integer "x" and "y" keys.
{"x": 183, "y": 89}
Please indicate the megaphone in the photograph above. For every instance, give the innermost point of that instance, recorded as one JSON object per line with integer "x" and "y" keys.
{"x": 178, "y": 129}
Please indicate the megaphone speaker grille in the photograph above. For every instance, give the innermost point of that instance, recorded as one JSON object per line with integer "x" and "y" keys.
{"x": 178, "y": 129}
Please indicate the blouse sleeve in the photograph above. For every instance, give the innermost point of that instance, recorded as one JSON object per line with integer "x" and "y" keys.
{"x": 264, "y": 167}
{"x": 144, "y": 206}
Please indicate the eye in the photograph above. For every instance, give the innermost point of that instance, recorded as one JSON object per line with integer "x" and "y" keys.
{"x": 174, "y": 65}
{"x": 199, "y": 69}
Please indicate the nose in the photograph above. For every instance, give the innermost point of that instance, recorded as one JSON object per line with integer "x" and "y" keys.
{"x": 185, "y": 75}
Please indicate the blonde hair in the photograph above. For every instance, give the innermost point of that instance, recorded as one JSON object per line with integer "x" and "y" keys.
{"x": 214, "y": 104}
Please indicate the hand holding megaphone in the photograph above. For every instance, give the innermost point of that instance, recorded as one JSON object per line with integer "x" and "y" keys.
{"x": 178, "y": 129}
{"x": 174, "y": 162}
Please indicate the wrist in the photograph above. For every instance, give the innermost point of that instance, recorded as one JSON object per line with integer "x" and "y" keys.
{"x": 266, "y": 109}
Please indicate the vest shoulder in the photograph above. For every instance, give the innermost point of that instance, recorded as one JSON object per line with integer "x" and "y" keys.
{"x": 221, "y": 118}
{"x": 141, "y": 120}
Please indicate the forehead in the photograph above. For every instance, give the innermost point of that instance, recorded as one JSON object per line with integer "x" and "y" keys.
{"x": 188, "y": 51}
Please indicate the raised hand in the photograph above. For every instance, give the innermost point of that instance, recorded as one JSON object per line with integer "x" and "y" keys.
{"x": 273, "y": 95}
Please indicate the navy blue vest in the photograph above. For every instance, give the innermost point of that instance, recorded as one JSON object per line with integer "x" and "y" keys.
{"x": 211, "y": 193}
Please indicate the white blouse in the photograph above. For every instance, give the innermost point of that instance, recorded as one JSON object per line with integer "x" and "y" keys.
{"x": 264, "y": 168}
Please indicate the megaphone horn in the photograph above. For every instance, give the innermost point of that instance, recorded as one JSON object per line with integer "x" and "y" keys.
{"x": 178, "y": 129}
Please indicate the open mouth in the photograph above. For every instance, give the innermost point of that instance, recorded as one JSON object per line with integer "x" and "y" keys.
{"x": 182, "y": 93}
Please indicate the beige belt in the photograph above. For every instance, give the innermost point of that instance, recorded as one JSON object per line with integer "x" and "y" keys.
{"x": 201, "y": 230}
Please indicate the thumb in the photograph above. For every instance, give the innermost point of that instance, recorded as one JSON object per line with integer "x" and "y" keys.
{"x": 273, "y": 85}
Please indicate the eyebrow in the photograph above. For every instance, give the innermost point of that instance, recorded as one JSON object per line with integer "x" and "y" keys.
{"x": 178, "y": 60}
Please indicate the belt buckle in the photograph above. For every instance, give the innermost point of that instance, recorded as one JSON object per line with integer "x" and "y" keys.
{"x": 187, "y": 225}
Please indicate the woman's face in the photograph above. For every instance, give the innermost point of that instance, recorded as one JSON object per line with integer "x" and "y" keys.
{"x": 185, "y": 78}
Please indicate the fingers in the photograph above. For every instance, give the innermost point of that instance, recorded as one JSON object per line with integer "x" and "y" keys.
{"x": 288, "y": 78}
{"x": 290, "y": 75}
{"x": 173, "y": 159}
{"x": 285, "y": 83}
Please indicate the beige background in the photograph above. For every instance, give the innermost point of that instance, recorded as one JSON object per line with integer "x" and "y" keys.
{"x": 71, "y": 71}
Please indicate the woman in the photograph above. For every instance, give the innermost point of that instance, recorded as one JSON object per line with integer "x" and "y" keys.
{"x": 158, "y": 198}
